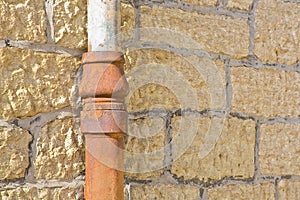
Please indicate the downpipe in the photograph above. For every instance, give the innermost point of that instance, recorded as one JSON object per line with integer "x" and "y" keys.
{"x": 104, "y": 117}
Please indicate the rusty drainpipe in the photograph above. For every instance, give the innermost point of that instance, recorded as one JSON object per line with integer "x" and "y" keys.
{"x": 103, "y": 118}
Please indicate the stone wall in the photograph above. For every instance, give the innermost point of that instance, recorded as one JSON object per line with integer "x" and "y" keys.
{"x": 213, "y": 110}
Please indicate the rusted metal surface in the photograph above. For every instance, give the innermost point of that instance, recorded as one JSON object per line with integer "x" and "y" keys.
{"x": 102, "y": 181}
{"x": 104, "y": 117}
{"x": 103, "y": 75}
{"x": 103, "y": 88}
{"x": 104, "y": 124}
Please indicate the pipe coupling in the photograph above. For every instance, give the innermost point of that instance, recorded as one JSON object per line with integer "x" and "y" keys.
{"x": 103, "y": 88}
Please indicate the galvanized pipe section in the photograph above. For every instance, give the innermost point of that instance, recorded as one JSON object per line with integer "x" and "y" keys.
{"x": 103, "y": 24}
{"x": 103, "y": 118}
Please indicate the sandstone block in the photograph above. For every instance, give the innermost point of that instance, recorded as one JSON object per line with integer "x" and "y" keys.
{"x": 201, "y": 2}
{"x": 14, "y": 152}
{"x": 289, "y": 189}
{"x": 277, "y": 32}
{"x": 219, "y": 148}
{"x": 157, "y": 79}
{"x": 60, "y": 150}
{"x": 279, "y": 152}
{"x": 265, "y": 92}
{"x": 212, "y": 33}
{"x": 144, "y": 148}
{"x": 23, "y": 20}
{"x": 70, "y": 23}
{"x": 127, "y": 21}
{"x": 165, "y": 192}
{"x": 243, "y": 191}
{"x": 240, "y": 4}
{"x": 34, "y": 82}
{"x": 34, "y": 193}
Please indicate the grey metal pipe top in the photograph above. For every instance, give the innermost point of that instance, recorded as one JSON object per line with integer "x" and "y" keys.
{"x": 103, "y": 24}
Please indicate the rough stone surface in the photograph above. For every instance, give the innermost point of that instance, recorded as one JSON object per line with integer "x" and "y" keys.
{"x": 165, "y": 192}
{"x": 146, "y": 136}
{"x": 34, "y": 193}
{"x": 23, "y": 20}
{"x": 212, "y": 33}
{"x": 150, "y": 97}
{"x": 279, "y": 152}
{"x": 289, "y": 189}
{"x": 231, "y": 155}
{"x": 265, "y": 92}
{"x": 60, "y": 150}
{"x": 34, "y": 82}
{"x": 203, "y": 163}
{"x": 157, "y": 79}
{"x": 277, "y": 32}
{"x": 70, "y": 23}
{"x": 200, "y": 2}
{"x": 127, "y": 21}
{"x": 14, "y": 152}
{"x": 243, "y": 192}
{"x": 240, "y": 4}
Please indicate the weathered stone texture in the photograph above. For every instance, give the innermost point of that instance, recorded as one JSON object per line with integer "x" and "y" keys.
{"x": 146, "y": 136}
{"x": 289, "y": 189}
{"x": 157, "y": 79}
{"x": 127, "y": 21}
{"x": 34, "y": 82}
{"x": 277, "y": 32}
{"x": 279, "y": 152}
{"x": 240, "y": 4}
{"x": 23, "y": 20}
{"x": 200, "y": 2}
{"x": 14, "y": 151}
{"x": 33, "y": 193}
{"x": 243, "y": 192}
{"x": 232, "y": 153}
{"x": 60, "y": 150}
{"x": 164, "y": 192}
{"x": 266, "y": 92}
{"x": 70, "y": 23}
{"x": 152, "y": 96}
{"x": 212, "y": 33}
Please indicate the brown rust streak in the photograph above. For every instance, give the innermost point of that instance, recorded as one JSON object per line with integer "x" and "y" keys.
{"x": 103, "y": 182}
